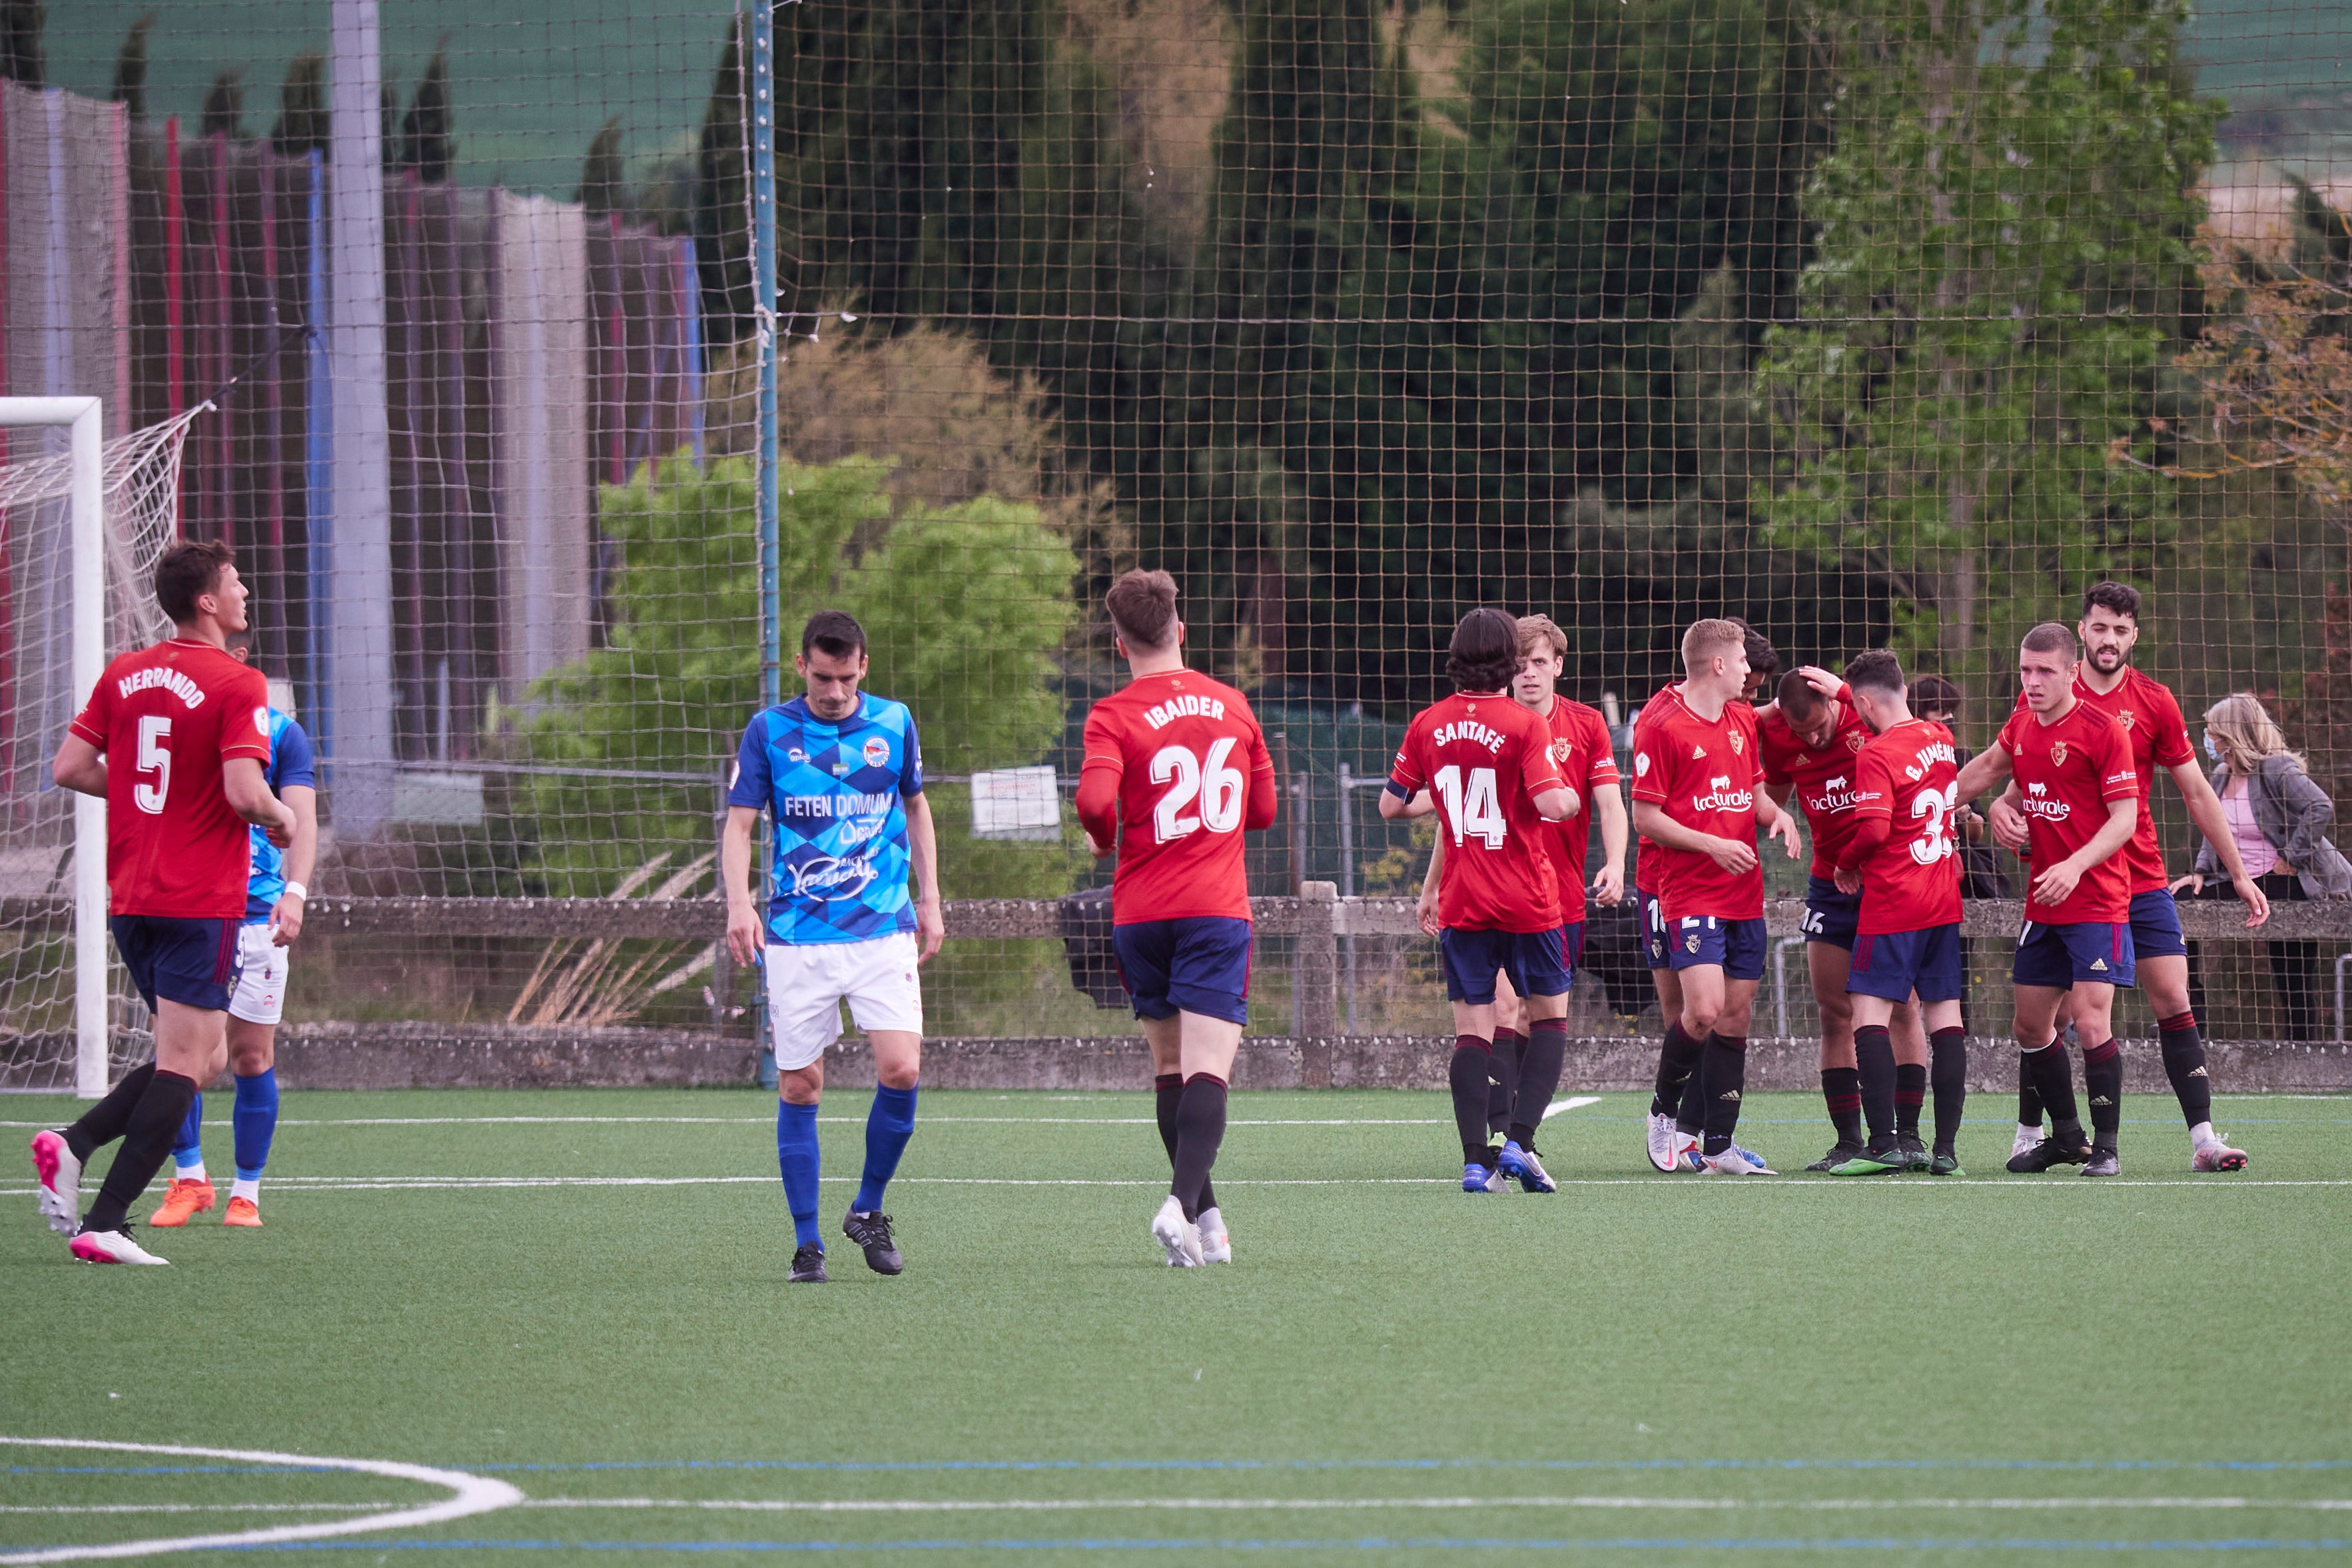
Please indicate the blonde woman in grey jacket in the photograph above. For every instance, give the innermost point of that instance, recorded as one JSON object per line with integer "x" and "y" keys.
{"x": 2278, "y": 817}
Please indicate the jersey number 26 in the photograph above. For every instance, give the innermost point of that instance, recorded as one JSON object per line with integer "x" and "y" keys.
{"x": 1220, "y": 789}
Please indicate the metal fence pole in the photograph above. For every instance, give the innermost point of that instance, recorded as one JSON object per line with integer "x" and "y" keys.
{"x": 762, "y": 116}
{"x": 1348, "y": 884}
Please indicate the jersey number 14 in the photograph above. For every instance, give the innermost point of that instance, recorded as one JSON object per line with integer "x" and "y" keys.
{"x": 1219, "y": 788}
{"x": 1474, "y": 812}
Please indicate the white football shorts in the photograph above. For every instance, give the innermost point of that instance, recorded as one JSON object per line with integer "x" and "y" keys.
{"x": 260, "y": 995}
{"x": 808, "y": 983}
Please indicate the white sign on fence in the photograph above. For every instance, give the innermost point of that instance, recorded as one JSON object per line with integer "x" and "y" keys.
{"x": 1016, "y": 803}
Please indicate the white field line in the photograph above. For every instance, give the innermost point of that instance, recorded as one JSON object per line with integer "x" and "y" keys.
{"x": 468, "y": 1495}
{"x": 1573, "y": 1102}
{"x": 1299, "y": 1505}
{"x": 850, "y": 1120}
{"x": 1946, "y": 1183}
{"x": 193, "y": 1507}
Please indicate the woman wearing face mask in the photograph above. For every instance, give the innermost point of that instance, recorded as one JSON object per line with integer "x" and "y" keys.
{"x": 2279, "y": 817}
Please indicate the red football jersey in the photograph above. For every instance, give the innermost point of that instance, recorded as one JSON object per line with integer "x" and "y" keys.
{"x": 2067, "y": 773}
{"x": 1175, "y": 768}
{"x": 1909, "y": 778}
{"x": 1581, "y": 750}
{"x": 1704, "y": 773}
{"x": 1484, "y": 759}
{"x": 2151, "y": 721}
{"x": 167, "y": 717}
{"x": 1823, "y": 780}
{"x": 1649, "y": 869}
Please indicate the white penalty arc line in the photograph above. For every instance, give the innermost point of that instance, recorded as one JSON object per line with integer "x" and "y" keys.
{"x": 1573, "y": 1102}
{"x": 469, "y": 1495}
{"x": 1309, "y": 1505}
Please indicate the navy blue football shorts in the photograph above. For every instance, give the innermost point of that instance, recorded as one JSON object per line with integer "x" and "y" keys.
{"x": 2156, "y": 926}
{"x": 1537, "y": 962}
{"x": 1654, "y": 932}
{"x": 1735, "y": 946}
{"x": 1831, "y": 916}
{"x": 2061, "y": 957}
{"x": 193, "y": 962}
{"x": 1893, "y": 964}
{"x": 1197, "y": 964}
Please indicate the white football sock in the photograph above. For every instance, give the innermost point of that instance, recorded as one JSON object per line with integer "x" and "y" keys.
{"x": 248, "y": 1187}
{"x": 195, "y": 1173}
{"x": 2028, "y": 1130}
{"x": 2202, "y": 1134}
{"x": 1212, "y": 1223}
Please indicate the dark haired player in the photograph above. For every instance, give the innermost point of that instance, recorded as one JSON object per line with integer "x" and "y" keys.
{"x": 1812, "y": 738}
{"x": 174, "y": 738}
{"x": 1696, "y": 770}
{"x": 2104, "y": 679}
{"x": 1176, "y": 768}
{"x": 1486, "y": 761}
{"x": 840, "y": 773}
{"x": 1900, "y": 856}
{"x": 274, "y": 903}
{"x": 2074, "y": 769}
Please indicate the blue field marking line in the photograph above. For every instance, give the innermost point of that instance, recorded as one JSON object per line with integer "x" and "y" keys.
{"x": 1367, "y": 1544}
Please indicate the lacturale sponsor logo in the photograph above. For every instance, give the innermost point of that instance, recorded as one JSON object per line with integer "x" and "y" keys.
{"x": 1721, "y": 796}
{"x": 2037, "y": 803}
{"x": 1837, "y": 794}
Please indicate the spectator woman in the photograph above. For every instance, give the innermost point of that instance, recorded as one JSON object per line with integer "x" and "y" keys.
{"x": 2279, "y": 816}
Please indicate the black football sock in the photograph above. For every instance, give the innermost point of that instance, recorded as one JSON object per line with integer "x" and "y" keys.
{"x": 1200, "y": 1129}
{"x": 1539, "y": 1068}
{"x": 154, "y": 1123}
{"x": 1841, "y": 1091}
{"x": 1503, "y": 1079}
{"x": 104, "y": 1122}
{"x": 1947, "y": 1072}
{"x": 1678, "y": 1066}
{"x": 2184, "y": 1064}
{"x": 1166, "y": 1089}
{"x": 2103, "y": 1082}
{"x": 1873, "y": 1059}
{"x": 1468, "y": 1075}
{"x": 1724, "y": 1070}
{"x": 1690, "y": 1116}
{"x": 1910, "y": 1094}
{"x": 2029, "y": 1102}
{"x": 2052, "y": 1077}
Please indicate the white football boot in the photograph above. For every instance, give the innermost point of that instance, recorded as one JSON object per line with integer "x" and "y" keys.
{"x": 1216, "y": 1243}
{"x": 1176, "y": 1236}
{"x": 2027, "y": 1140}
{"x": 57, "y": 1176}
{"x": 1735, "y": 1161}
{"x": 1666, "y": 1142}
{"x": 111, "y": 1247}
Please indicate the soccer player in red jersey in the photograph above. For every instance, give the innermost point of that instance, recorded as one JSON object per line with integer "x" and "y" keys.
{"x": 1487, "y": 762}
{"x": 1696, "y": 773}
{"x": 1588, "y": 764}
{"x": 1899, "y": 856}
{"x": 174, "y": 738}
{"x": 2074, "y": 769}
{"x": 2150, "y": 716}
{"x": 1175, "y": 768}
{"x": 1811, "y": 738}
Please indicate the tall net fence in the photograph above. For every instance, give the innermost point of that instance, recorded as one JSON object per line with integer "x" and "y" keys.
{"x": 1889, "y": 324}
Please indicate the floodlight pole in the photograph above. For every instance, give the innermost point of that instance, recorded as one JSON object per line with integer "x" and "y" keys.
{"x": 762, "y": 124}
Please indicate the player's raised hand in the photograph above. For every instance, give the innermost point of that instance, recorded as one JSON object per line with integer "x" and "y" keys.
{"x": 1821, "y": 680}
{"x": 2009, "y": 827}
{"x": 2258, "y": 903}
{"x": 1733, "y": 856}
{"x": 2056, "y": 885}
{"x": 931, "y": 928}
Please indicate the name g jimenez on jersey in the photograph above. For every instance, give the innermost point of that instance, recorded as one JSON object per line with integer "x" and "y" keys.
{"x": 837, "y": 796}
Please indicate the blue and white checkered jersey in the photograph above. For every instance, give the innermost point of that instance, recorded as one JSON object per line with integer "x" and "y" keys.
{"x": 838, "y": 797}
{"x": 291, "y": 762}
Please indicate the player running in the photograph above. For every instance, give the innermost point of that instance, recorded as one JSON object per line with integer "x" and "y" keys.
{"x": 1811, "y": 740}
{"x": 840, "y": 773}
{"x": 174, "y": 738}
{"x": 1899, "y": 858}
{"x": 2106, "y": 679}
{"x": 1176, "y": 768}
{"x": 2073, "y": 768}
{"x": 1488, "y": 761}
{"x": 1694, "y": 777}
{"x": 273, "y": 900}
{"x": 1588, "y": 765}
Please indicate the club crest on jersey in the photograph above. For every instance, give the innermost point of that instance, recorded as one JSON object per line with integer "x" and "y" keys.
{"x": 1738, "y": 742}
{"x": 261, "y": 721}
{"x": 1560, "y": 751}
{"x": 1855, "y": 742}
{"x": 1641, "y": 766}
{"x": 2124, "y": 717}
{"x": 1690, "y": 944}
{"x": 876, "y": 752}
{"x": 2058, "y": 753}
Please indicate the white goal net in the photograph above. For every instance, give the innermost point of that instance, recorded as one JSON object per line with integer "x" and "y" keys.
{"x": 45, "y": 1024}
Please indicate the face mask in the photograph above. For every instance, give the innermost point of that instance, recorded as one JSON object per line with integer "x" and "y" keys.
{"x": 2211, "y": 750}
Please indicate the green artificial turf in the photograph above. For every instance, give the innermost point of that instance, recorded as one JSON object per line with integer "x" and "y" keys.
{"x": 1656, "y": 1368}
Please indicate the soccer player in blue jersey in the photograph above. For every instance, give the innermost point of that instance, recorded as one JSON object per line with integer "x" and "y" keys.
{"x": 274, "y": 903}
{"x": 840, "y": 774}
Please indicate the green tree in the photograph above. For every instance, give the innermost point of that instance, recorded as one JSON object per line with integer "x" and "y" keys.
{"x": 965, "y": 607}
{"x": 2003, "y": 237}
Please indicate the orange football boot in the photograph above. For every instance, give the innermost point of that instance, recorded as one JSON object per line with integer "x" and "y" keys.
{"x": 184, "y": 1201}
{"x": 244, "y": 1211}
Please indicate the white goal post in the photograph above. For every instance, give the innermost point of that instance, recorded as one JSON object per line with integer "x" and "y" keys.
{"x": 85, "y": 418}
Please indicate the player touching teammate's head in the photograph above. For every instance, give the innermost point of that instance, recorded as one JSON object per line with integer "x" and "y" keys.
{"x": 1142, "y": 606}
{"x": 1801, "y": 705}
{"x": 1484, "y": 652}
{"x": 194, "y": 571}
{"x": 1877, "y": 671}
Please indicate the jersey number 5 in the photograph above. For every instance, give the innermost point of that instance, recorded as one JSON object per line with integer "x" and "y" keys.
{"x": 1473, "y": 812}
{"x": 1219, "y": 788}
{"x": 154, "y": 757}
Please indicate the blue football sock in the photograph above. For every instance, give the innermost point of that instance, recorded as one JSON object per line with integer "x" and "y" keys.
{"x": 887, "y": 1127}
{"x": 797, "y": 1160}
{"x": 254, "y": 1121}
{"x": 188, "y": 1150}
